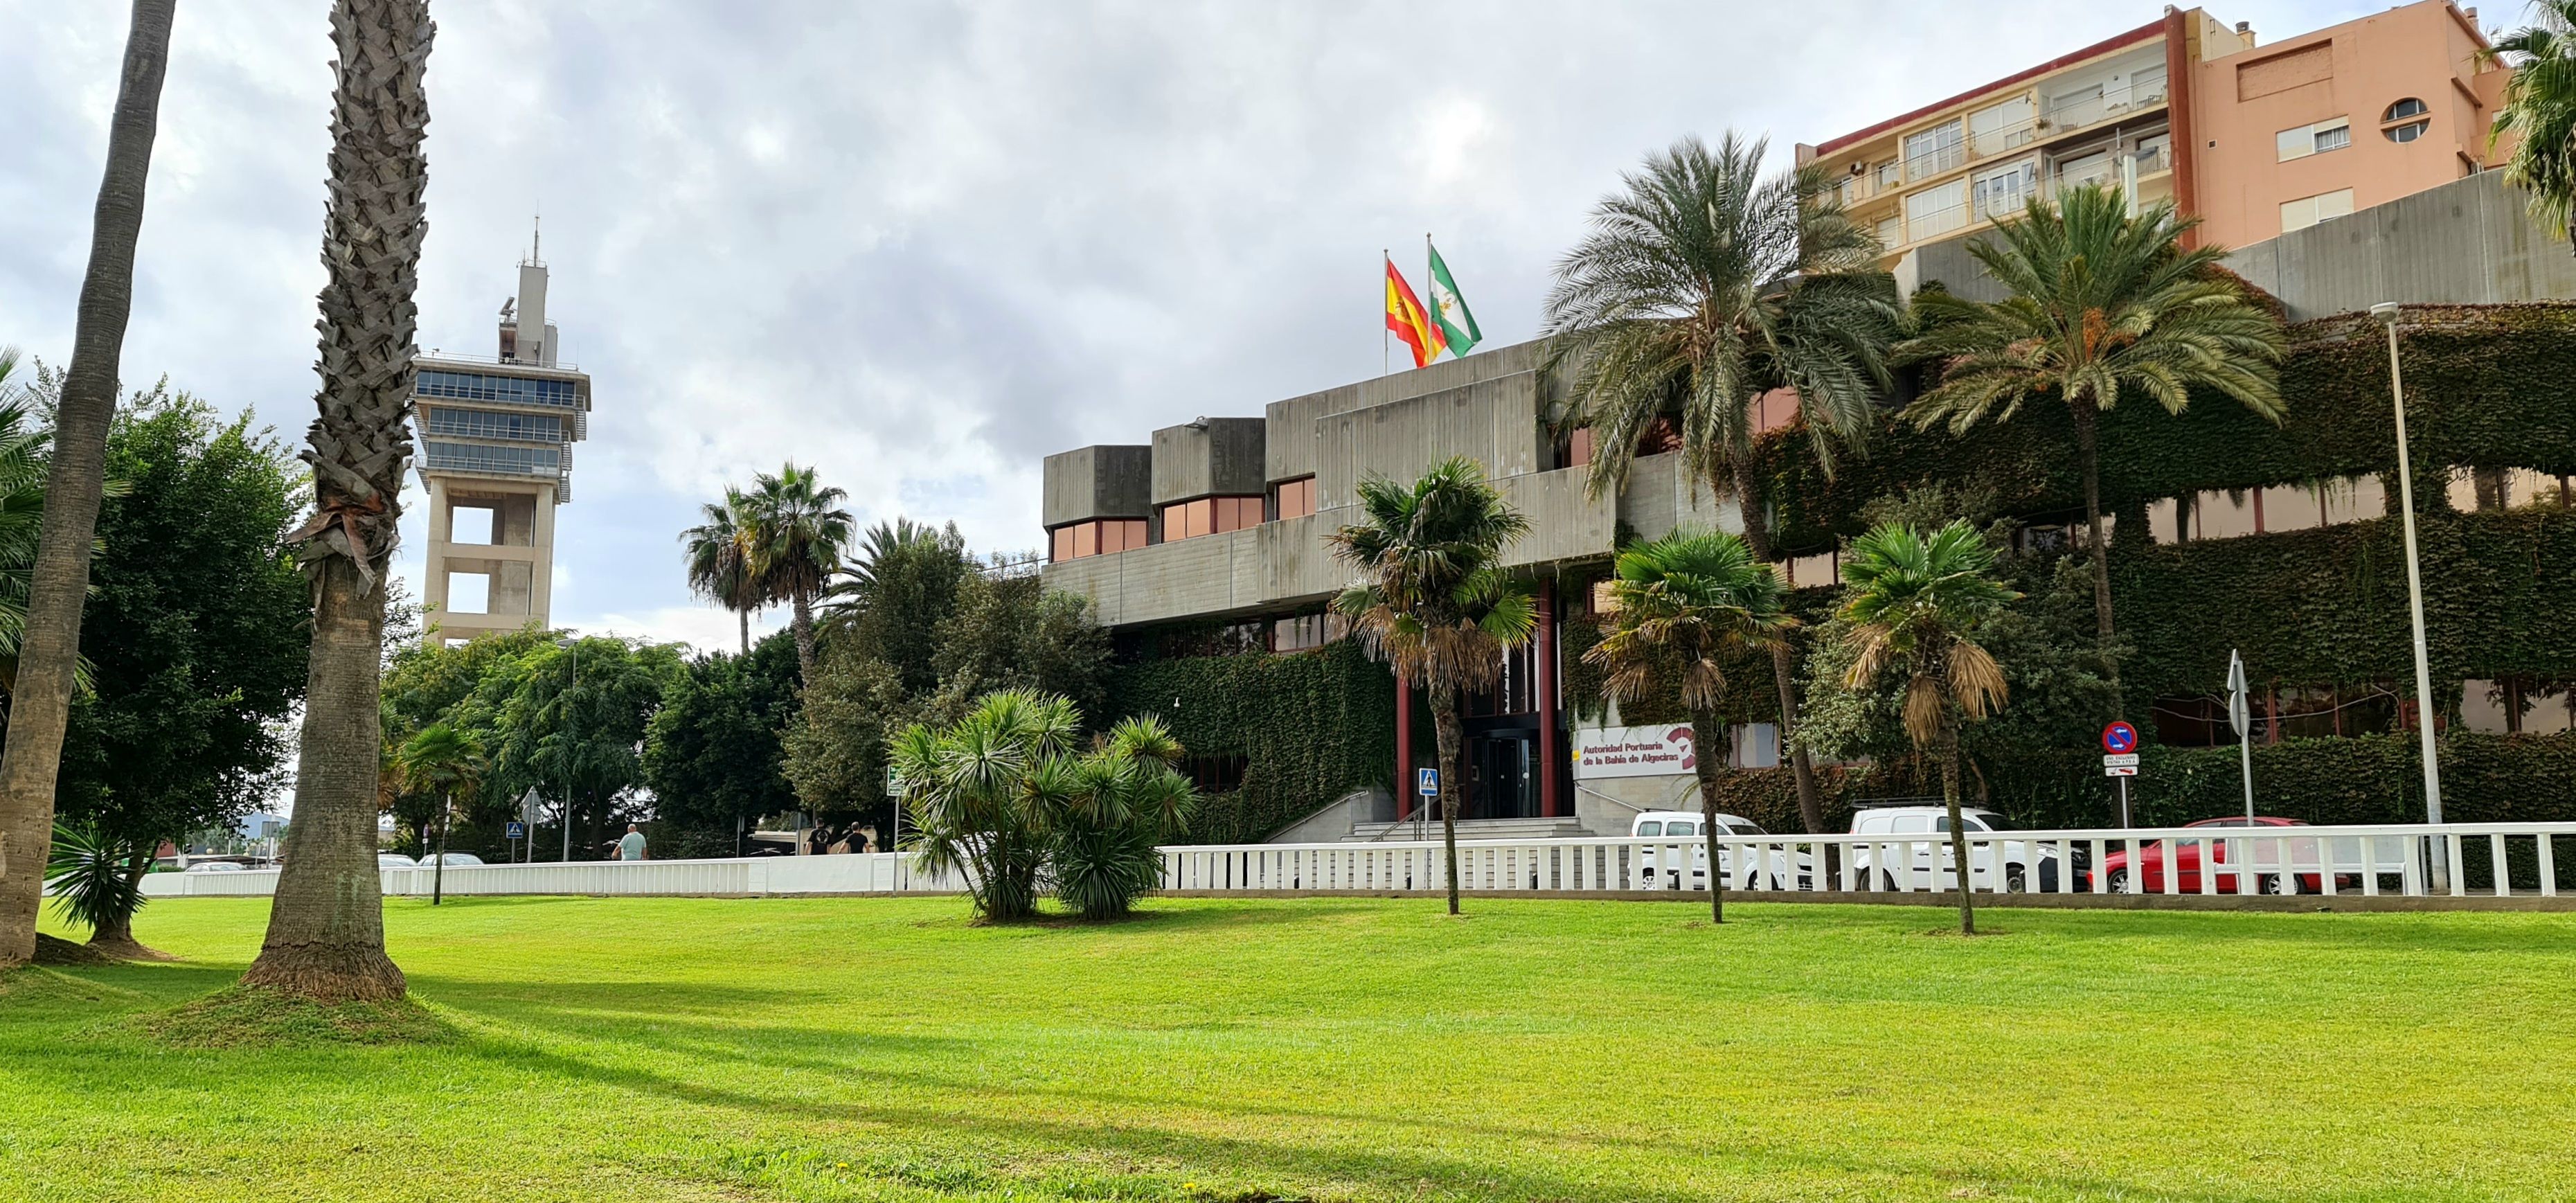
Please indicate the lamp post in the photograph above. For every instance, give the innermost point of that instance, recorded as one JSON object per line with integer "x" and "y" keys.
{"x": 2386, "y": 312}
{"x": 572, "y": 645}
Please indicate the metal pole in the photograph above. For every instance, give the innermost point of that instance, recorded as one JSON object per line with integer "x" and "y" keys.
{"x": 2386, "y": 312}
{"x": 573, "y": 646}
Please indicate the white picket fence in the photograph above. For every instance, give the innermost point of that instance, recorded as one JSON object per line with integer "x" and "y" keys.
{"x": 2405, "y": 860}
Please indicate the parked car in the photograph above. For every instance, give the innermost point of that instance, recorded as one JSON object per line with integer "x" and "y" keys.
{"x": 2146, "y": 872}
{"x": 395, "y": 860}
{"x": 1685, "y": 825}
{"x": 215, "y": 866}
{"x": 454, "y": 860}
{"x": 2021, "y": 865}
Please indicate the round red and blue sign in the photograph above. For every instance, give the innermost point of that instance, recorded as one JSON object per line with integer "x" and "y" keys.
{"x": 2119, "y": 737}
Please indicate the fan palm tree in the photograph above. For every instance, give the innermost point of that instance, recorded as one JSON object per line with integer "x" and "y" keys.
{"x": 1690, "y": 598}
{"x": 880, "y": 546}
{"x": 326, "y": 931}
{"x": 1433, "y": 600}
{"x": 449, "y": 763}
{"x": 2540, "y": 110}
{"x": 1703, "y": 286}
{"x": 58, "y": 579}
{"x": 1917, "y": 607}
{"x": 2103, "y": 305}
{"x": 794, "y": 533}
{"x": 719, "y": 568}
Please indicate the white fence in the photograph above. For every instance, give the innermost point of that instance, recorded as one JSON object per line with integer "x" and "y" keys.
{"x": 2410, "y": 861}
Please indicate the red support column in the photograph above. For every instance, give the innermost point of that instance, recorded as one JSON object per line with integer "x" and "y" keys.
{"x": 1403, "y": 749}
{"x": 1549, "y": 755}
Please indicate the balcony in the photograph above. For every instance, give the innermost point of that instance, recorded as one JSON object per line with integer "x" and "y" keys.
{"x": 2067, "y": 113}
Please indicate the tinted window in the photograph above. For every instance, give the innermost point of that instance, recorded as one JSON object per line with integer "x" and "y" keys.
{"x": 1912, "y": 824}
{"x": 1745, "y": 829}
{"x": 1650, "y": 827}
{"x": 1681, "y": 828}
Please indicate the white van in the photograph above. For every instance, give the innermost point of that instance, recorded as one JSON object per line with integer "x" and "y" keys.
{"x": 1683, "y": 827}
{"x": 1931, "y": 866}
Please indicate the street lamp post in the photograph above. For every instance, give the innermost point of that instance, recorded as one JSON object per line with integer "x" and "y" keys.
{"x": 2386, "y": 312}
{"x": 574, "y": 646}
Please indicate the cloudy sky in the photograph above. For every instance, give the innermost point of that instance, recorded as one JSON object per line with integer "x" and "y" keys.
{"x": 920, "y": 246}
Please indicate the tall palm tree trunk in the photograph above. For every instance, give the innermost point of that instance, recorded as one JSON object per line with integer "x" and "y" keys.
{"x": 804, "y": 624}
{"x": 1784, "y": 657}
{"x": 40, "y": 702}
{"x": 2089, "y": 458}
{"x": 1949, "y": 754}
{"x": 745, "y": 616}
{"x": 1703, "y": 725}
{"x": 326, "y": 937}
{"x": 1450, "y": 736}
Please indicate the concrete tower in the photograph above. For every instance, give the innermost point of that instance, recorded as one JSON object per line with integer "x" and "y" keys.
{"x": 496, "y": 438}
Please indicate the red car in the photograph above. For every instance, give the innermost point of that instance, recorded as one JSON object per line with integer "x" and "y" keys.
{"x": 2150, "y": 875}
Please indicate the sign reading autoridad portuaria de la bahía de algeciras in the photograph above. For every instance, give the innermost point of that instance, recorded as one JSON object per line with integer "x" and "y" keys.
{"x": 1634, "y": 751}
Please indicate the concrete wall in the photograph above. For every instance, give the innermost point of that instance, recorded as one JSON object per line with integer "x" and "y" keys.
{"x": 1213, "y": 456}
{"x": 1289, "y": 448}
{"x": 1106, "y": 481}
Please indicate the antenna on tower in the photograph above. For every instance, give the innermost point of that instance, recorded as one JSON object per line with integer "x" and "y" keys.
{"x": 536, "y": 237}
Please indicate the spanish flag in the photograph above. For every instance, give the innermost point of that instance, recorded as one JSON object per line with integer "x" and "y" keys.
{"x": 1406, "y": 317}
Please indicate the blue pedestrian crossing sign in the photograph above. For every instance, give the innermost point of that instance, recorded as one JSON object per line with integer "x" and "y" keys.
{"x": 1426, "y": 782}
{"x": 517, "y": 831}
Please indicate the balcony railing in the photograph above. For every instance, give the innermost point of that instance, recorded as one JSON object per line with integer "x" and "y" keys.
{"x": 2073, "y": 113}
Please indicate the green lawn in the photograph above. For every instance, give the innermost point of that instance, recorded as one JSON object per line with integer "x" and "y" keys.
{"x": 652, "y": 1049}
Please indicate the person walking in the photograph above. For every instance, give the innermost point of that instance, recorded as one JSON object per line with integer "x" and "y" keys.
{"x": 632, "y": 847}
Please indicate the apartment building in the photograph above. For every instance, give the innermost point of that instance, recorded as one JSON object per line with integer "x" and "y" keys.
{"x": 2254, "y": 139}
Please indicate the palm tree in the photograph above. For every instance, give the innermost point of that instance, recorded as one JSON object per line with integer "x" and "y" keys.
{"x": 2103, "y": 304}
{"x": 97, "y": 882}
{"x": 22, "y": 512}
{"x": 1690, "y": 597}
{"x": 1917, "y": 607}
{"x": 794, "y": 532}
{"x": 2540, "y": 110}
{"x": 326, "y": 931}
{"x": 58, "y": 583}
{"x": 976, "y": 791}
{"x": 719, "y": 567}
{"x": 1702, "y": 287}
{"x": 449, "y": 762}
{"x": 1433, "y": 601}
{"x": 881, "y": 546}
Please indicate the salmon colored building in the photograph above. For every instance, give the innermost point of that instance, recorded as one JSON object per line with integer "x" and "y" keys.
{"x": 2254, "y": 139}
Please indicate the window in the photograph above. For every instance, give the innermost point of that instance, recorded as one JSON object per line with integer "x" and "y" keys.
{"x": 1814, "y": 571}
{"x": 1888, "y": 175}
{"x": 480, "y": 457}
{"x": 1936, "y": 210}
{"x": 2309, "y": 210}
{"x": 2518, "y": 705}
{"x": 1085, "y": 539}
{"x": 1891, "y": 231}
{"x": 1209, "y": 516}
{"x": 1307, "y": 632}
{"x": 2406, "y": 120}
{"x": 478, "y": 386}
{"x": 1216, "y": 774}
{"x": 1935, "y": 150}
{"x": 1992, "y": 131}
{"x": 1578, "y": 447}
{"x": 1651, "y": 827}
{"x": 1678, "y": 827}
{"x": 2301, "y": 141}
{"x": 2001, "y": 194}
{"x": 480, "y": 424}
{"x": 1296, "y": 498}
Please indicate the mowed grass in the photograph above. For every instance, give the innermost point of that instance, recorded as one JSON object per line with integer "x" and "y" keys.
{"x": 829, "y": 1049}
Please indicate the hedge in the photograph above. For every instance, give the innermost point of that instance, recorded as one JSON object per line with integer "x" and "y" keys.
{"x": 1312, "y": 726}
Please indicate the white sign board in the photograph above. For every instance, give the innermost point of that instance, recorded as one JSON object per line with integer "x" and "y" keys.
{"x": 2119, "y": 770}
{"x": 1634, "y": 752}
{"x": 2120, "y": 760}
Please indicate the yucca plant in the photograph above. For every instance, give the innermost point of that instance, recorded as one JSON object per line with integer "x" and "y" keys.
{"x": 96, "y": 881}
{"x": 1917, "y": 606}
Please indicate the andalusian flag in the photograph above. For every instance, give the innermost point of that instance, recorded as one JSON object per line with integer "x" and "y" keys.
{"x": 1405, "y": 316}
{"x": 1457, "y": 325}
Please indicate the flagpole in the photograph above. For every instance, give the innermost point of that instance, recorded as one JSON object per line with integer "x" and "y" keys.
{"x": 1385, "y": 348}
{"x": 1432, "y": 306}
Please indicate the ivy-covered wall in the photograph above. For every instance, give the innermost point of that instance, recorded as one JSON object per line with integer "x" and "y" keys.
{"x": 2489, "y": 386}
{"x": 1312, "y": 727}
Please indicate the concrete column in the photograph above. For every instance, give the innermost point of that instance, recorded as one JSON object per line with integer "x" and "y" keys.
{"x": 541, "y": 583}
{"x": 441, "y": 524}
{"x": 1403, "y": 749}
{"x": 1551, "y": 756}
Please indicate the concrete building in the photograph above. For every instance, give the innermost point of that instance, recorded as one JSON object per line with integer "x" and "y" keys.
{"x": 495, "y": 452}
{"x": 2256, "y": 140}
{"x": 1219, "y": 523}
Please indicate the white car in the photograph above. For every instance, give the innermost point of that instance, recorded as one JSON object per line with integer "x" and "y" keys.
{"x": 395, "y": 860}
{"x": 1931, "y": 865}
{"x": 215, "y": 866}
{"x": 453, "y": 860}
{"x": 1684, "y": 825}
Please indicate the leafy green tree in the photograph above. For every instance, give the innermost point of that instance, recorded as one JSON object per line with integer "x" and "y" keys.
{"x": 836, "y": 757}
{"x": 448, "y": 765}
{"x": 1010, "y": 632}
{"x": 22, "y": 511}
{"x": 545, "y": 730}
{"x": 326, "y": 938}
{"x": 901, "y": 586}
{"x": 58, "y": 583}
{"x": 97, "y": 881}
{"x": 2102, "y": 305}
{"x": 198, "y": 623}
{"x": 1434, "y": 602}
{"x": 796, "y": 533}
{"x": 1704, "y": 287}
{"x": 1007, "y": 797}
{"x": 719, "y": 565}
{"x": 1688, "y": 600}
{"x": 1918, "y": 607}
{"x": 711, "y": 752}
{"x": 2539, "y": 110}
